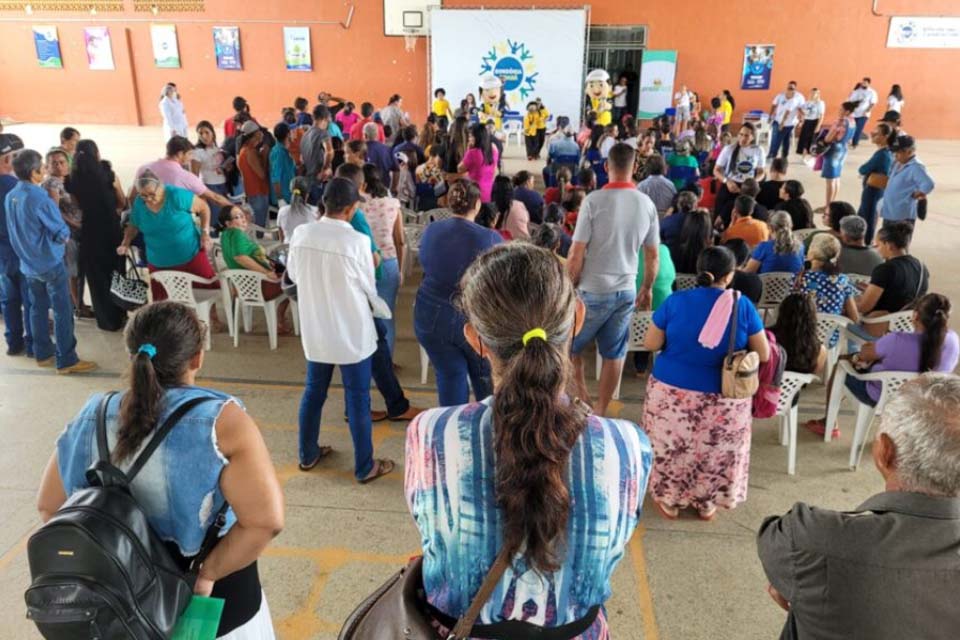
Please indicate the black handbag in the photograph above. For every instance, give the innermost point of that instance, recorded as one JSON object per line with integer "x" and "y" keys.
{"x": 98, "y": 569}
{"x": 128, "y": 292}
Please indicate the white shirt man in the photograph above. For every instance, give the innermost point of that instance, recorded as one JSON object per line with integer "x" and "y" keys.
{"x": 787, "y": 107}
{"x": 866, "y": 96}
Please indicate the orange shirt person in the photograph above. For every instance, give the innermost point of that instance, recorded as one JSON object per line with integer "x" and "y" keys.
{"x": 744, "y": 226}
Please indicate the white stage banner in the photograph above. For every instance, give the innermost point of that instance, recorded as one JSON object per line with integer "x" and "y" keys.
{"x": 657, "y": 73}
{"x": 536, "y": 54}
{"x": 924, "y": 33}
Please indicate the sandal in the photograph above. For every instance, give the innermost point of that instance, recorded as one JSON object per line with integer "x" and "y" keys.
{"x": 324, "y": 452}
{"x": 670, "y": 513}
{"x": 707, "y": 514}
{"x": 381, "y": 468}
{"x": 819, "y": 425}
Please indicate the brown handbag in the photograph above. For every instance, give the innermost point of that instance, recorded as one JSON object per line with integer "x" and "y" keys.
{"x": 741, "y": 369}
{"x": 878, "y": 180}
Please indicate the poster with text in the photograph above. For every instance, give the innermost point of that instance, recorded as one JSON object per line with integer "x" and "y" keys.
{"x": 296, "y": 48}
{"x": 757, "y": 66}
{"x": 658, "y": 71}
{"x": 99, "y": 51}
{"x": 226, "y": 45}
{"x": 48, "y": 47}
{"x": 534, "y": 53}
{"x": 924, "y": 32}
{"x": 166, "y": 53}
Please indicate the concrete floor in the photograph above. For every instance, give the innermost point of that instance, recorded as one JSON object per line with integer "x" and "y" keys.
{"x": 679, "y": 580}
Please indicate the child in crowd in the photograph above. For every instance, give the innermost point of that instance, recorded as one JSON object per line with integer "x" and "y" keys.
{"x": 543, "y": 117}
{"x": 531, "y": 123}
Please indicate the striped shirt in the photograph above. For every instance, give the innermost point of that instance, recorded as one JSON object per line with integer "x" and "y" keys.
{"x": 450, "y": 489}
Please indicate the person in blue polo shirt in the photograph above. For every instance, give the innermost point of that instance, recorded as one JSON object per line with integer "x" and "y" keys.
{"x": 909, "y": 183}
{"x": 38, "y": 236}
{"x": 14, "y": 299}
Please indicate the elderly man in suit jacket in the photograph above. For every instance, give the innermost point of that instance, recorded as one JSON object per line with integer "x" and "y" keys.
{"x": 891, "y": 569}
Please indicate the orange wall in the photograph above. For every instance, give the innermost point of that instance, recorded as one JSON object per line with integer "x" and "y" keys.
{"x": 827, "y": 43}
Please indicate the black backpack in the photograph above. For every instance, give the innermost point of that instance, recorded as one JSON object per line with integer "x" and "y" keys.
{"x": 98, "y": 570}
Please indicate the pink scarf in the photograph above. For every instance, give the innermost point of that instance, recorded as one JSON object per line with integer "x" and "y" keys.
{"x": 716, "y": 324}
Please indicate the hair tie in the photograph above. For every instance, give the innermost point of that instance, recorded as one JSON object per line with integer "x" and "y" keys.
{"x": 297, "y": 192}
{"x": 539, "y": 332}
{"x": 148, "y": 349}
{"x": 712, "y": 277}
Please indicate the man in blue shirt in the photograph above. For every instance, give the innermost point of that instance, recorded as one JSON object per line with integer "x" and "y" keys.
{"x": 909, "y": 182}
{"x": 38, "y": 236}
{"x": 14, "y": 299}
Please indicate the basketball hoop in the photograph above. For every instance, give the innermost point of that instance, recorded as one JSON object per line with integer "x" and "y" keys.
{"x": 410, "y": 40}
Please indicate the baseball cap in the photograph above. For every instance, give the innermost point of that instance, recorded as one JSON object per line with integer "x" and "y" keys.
{"x": 902, "y": 143}
{"x": 249, "y": 127}
{"x": 401, "y": 157}
{"x": 340, "y": 194}
{"x": 9, "y": 143}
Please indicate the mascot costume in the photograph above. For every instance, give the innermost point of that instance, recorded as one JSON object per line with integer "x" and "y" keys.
{"x": 491, "y": 101}
{"x": 598, "y": 96}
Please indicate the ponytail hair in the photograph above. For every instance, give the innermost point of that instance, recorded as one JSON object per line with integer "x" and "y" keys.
{"x": 374, "y": 181}
{"x": 933, "y": 311}
{"x": 564, "y": 177}
{"x": 162, "y": 339}
{"x": 781, "y": 228}
{"x": 825, "y": 248}
{"x": 508, "y": 291}
{"x": 463, "y": 196}
{"x": 714, "y": 264}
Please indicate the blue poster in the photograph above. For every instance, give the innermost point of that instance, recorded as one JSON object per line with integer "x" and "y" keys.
{"x": 757, "y": 66}
{"x": 226, "y": 45}
{"x": 48, "y": 47}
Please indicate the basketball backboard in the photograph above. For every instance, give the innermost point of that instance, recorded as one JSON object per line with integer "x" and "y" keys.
{"x": 407, "y": 17}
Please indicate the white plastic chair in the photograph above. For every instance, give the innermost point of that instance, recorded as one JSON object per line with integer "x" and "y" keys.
{"x": 440, "y": 213}
{"x": 802, "y": 234}
{"x": 413, "y": 233}
{"x": 899, "y": 321}
{"x": 410, "y": 216}
{"x": 639, "y": 324}
{"x": 777, "y": 285}
{"x": 891, "y": 381}
{"x": 179, "y": 287}
{"x": 827, "y": 325}
{"x": 858, "y": 279}
{"x": 424, "y": 365}
{"x": 249, "y": 295}
{"x": 790, "y": 386}
{"x": 685, "y": 281}
{"x": 514, "y": 129}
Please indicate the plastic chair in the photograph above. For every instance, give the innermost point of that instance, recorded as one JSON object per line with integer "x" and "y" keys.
{"x": 410, "y": 216}
{"x": 514, "y": 129}
{"x": 413, "y": 233}
{"x": 777, "y": 285}
{"x": 424, "y": 365}
{"x": 891, "y": 382}
{"x": 857, "y": 279}
{"x": 685, "y": 281}
{"x": 179, "y": 286}
{"x": 827, "y": 325}
{"x": 441, "y": 213}
{"x": 790, "y": 386}
{"x": 802, "y": 234}
{"x": 639, "y": 324}
{"x": 899, "y": 321}
{"x": 249, "y": 295}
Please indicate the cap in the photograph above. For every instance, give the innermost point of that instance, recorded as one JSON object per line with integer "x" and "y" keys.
{"x": 490, "y": 81}
{"x": 902, "y": 143}
{"x": 598, "y": 75}
{"x": 249, "y": 127}
{"x": 401, "y": 157}
{"x": 891, "y": 116}
{"x": 340, "y": 194}
{"x": 9, "y": 143}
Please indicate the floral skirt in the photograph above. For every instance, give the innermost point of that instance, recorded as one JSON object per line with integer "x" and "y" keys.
{"x": 701, "y": 446}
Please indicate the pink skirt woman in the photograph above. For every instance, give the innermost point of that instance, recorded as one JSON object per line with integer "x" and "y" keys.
{"x": 701, "y": 447}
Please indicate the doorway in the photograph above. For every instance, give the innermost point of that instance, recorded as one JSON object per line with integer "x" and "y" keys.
{"x": 619, "y": 50}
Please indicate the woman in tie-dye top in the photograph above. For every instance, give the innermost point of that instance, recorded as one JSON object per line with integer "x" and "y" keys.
{"x": 527, "y": 469}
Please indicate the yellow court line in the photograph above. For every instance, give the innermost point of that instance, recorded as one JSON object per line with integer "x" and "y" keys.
{"x": 415, "y": 393}
{"x": 14, "y": 552}
{"x": 650, "y": 629}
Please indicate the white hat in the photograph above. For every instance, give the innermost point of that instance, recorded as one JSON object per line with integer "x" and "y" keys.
{"x": 490, "y": 81}
{"x": 598, "y": 75}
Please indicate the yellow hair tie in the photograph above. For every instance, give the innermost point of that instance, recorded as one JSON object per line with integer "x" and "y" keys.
{"x": 297, "y": 192}
{"x": 534, "y": 333}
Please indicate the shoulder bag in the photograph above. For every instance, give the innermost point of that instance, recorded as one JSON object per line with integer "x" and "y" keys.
{"x": 878, "y": 180}
{"x": 128, "y": 291}
{"x": 740, "y": 374}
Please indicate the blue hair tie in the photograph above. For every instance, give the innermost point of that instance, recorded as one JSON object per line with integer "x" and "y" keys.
{"x": 148, "y": 349}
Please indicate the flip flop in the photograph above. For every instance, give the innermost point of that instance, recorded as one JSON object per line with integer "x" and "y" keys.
{"x": 707, "y": 514}
{"x": 382, "y": 468}
{"x": 819, "y": 426}
{"x": 670, "y": 513}
{"x": 324, "y": 452}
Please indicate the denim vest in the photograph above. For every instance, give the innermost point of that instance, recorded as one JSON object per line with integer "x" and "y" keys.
{"x": 179, "y": 487}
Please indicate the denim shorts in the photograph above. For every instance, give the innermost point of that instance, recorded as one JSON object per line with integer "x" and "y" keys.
{"x": 607, "y": 321}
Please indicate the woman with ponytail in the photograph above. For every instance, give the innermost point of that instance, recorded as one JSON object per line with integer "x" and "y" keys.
{"x": 527, "y": 471}
{"x": 214, "y": 455}
{"x": 701, "y": 439}
{"x": 782, "y": 252}
{"x": 298, "y": 212}
{"x": 931, "y": 347}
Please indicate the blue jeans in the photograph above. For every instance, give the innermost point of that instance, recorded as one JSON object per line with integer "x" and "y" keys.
{"x": 861, "y": 123}
{"x": 439, "y": 329}
{"x": 859, "y": 389}
{"x": 261, "y": 207}
{"x": 780, "y": 141}
{"x": 608, "y": 321}
{"x": 356, "y": 390}
{"x": 16, "y": 311}
{"x": 869, "y": 198}
{"x": 52, "y": 290}
{"x": 388, "y": 286}
{"x": 384, "y": 376}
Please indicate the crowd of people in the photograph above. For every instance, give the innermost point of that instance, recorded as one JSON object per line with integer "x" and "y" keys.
{"x": 517, "y": 283}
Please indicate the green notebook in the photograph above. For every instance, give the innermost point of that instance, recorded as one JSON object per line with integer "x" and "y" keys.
{"x": 200, "y": 620}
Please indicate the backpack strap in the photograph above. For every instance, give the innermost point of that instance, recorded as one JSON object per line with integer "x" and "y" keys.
{"x": 161, "y": 433}
{"x": 731, "y": 345}
{"x": 103, "y": 472}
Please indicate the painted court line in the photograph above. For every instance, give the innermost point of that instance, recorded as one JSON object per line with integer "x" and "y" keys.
{"x": 645, "y": 599}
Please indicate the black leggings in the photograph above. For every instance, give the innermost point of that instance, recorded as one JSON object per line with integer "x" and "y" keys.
{"x": 808, "y": 134}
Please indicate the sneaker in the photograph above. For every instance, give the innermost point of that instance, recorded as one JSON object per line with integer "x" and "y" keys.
{"x": 80, "y": 366}
{"x": 47, "y": 362}
{"x": 16, "y": 352}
